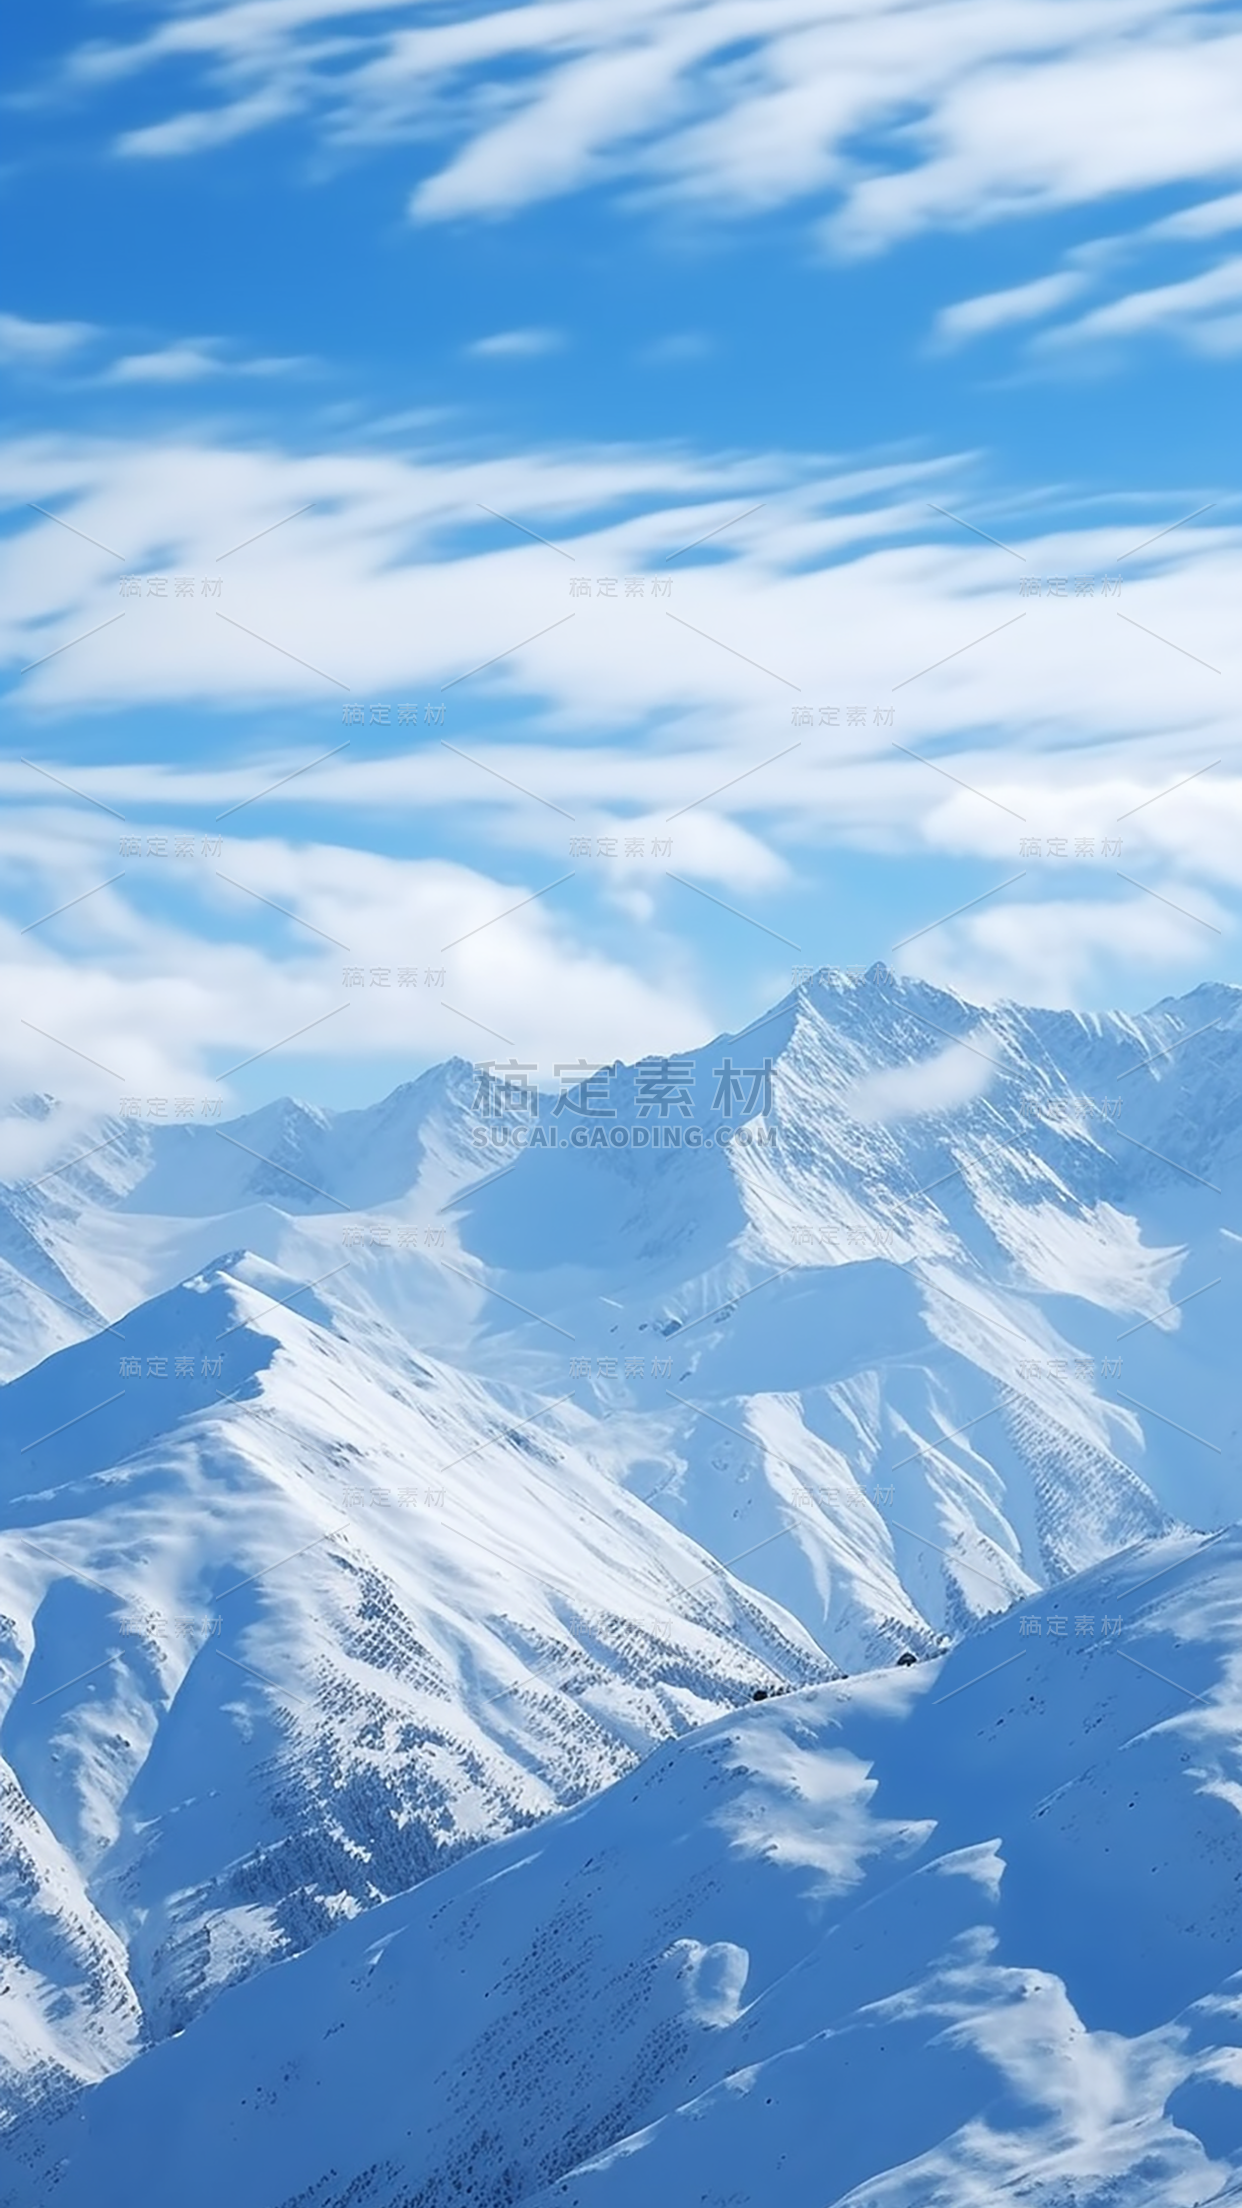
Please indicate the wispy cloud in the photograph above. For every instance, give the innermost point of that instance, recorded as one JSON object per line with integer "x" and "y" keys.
{"x": 682, "y": 346}
{"x": 203, "y": 133}
{"x": 995, "y": 310}
{"x": 1211, "y": 218}
{"x": 933, "y": 1084}
{"x": 879, "y": 120}
{"x": 40, "y": 344}
{"x": 516, "y": 345}
{"x": 1017, "y": 108}
{"x": 1052, "y": 950}
{"x": 1198, "y": 309}
{"x": 1191, "y": 310}
{"x": 187, "y": 362}
{"x": 380, "y": 534}
{"x": 384, "y": 572}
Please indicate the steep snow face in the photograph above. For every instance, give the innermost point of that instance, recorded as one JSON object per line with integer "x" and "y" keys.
{"x": 291, "y": 1616}
{"x": 960, "y": 1325}
{"x": 68, "y": 2012}
{"x": 968, "y": 1931}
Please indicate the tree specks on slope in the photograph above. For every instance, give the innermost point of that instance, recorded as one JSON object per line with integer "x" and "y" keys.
{"x": 1088, "y": 1503}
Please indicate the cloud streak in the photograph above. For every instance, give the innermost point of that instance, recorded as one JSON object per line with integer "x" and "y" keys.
{"x": 384, "y": 570}
{"x": 907, "y": 117}
{"x": 878, "y": 121}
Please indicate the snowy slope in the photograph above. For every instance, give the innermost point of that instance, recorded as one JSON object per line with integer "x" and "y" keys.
{"x": 284, "y": 1629}
{"x": 958, "y": 1328}
{"x": 965, "y": 1933}
{"x": 962, "y": 1326}
{"x": 114, "y": 1212}
{"x": 986, "y": 1269}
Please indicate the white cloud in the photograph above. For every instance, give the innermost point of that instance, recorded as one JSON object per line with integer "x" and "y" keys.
{"x": 28, "y": 1144}
{"x": 1189, "y": 309}
{"x": 183, "y": 363}
{"x": 516, "y": 345}
{"x": 936, "y": 1084}
{"x": 1211, "y": 218}
{"x": 202, "y": 133}
{"x": 1095, "y": 113}
{"x": 1052, "y": 950}
{"x": 127, "y": 1001}
{"x": 881, "y": 118}
{"x": 40, "y": 344}
{"x": 682, "y": 345}
{"x": 995, "y": 310}
{"x": 971, "y": 111}
{"x": 1219, "y": 337}
{"x": 1073, "y": 716}
{"x": 831, "y": 592}
{"x": 1190, "y": 306}
{"x": 43, "y": 344}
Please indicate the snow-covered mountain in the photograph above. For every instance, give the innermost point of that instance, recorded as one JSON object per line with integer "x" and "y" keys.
{"x": 271, "y": 1654}
{"x": 112, "y": 1212}
{"x": 956, "y": 1327}
{"x": 966, "y": 1932}
{"x": 375, "y": 1484}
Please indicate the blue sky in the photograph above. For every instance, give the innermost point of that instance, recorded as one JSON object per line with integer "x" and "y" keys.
{"x": 318, "y": 320}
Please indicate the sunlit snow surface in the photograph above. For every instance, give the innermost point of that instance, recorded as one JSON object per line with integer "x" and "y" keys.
{"x": 399, "y": 1553}
{"x": 960, "y": 1933}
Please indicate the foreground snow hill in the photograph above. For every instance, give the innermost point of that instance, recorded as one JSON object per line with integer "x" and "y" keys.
{"x": 965, "y": 1933}
{"x": 289, "y": 1616}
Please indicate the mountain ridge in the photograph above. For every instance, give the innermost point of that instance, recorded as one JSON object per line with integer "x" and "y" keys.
{"x": 758, "y": 1923}
{"x": 472, "y": 1493}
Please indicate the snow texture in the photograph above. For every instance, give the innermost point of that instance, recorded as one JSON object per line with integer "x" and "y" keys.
{"x": 395, "y": 1500}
